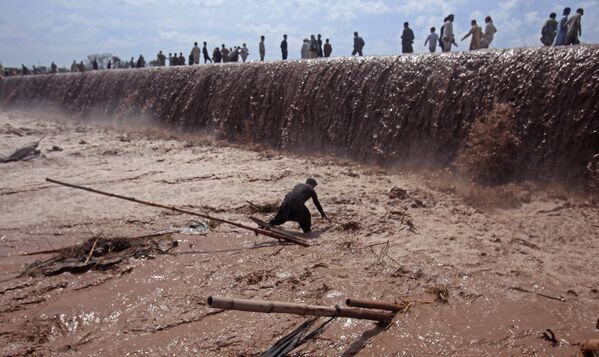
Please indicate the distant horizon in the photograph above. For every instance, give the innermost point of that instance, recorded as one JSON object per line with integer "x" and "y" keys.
{"x": 61, "y": 31}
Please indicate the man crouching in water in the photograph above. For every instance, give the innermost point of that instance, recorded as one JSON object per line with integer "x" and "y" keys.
{"x": 294, "y": 208}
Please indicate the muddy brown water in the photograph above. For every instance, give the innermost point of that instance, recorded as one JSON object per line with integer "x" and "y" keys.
{"x": 547, "y": 245}
{"x": 407, "y": 111}
{"x": 510, "y": 273}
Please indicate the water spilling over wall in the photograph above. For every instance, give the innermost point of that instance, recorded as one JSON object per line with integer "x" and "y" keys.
{"x": 414, "y": 111}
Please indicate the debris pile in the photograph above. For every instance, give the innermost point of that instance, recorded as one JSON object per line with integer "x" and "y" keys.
{"x": 100, "y": 254}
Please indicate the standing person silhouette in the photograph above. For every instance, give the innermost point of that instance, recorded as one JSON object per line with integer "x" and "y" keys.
{"x": 562, "y": 30}
{"x": 195, "y": 54}
{"x": 206, "y": 54}
{"x": 407, "y": 39}
{"x": 358, "y": 45}
{"x": 284, "y": 51}
{"x": 262, "y": 48}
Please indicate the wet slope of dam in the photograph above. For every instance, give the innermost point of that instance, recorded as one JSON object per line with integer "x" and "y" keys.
{"x": 414, "y": 111}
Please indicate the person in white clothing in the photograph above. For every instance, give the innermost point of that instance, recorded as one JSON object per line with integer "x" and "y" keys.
{"x": 489, "y": 33}
{"x": 306, "y": 49}
{"x": 245, "y": 52}
{"x": 448, "y": 36}
{"x": 195, "y": 53}
{"x": 432, "y": 40}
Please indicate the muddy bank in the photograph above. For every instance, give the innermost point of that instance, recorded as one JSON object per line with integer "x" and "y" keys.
{"x": 408, "y": 111}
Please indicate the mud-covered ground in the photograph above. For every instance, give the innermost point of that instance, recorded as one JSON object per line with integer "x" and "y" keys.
{"x": 509, "y": 273}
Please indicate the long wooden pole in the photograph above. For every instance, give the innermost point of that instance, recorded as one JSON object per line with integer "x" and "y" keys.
{"x": 296, "y": 309}
{"x": 265, "y": 232}
{"x": 373, "y": 304}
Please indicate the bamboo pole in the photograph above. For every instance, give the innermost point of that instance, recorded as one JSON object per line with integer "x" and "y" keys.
{"x": 297, "y": 309}
{"x": 265, "y": 232}
{"x": 373, "y": 304}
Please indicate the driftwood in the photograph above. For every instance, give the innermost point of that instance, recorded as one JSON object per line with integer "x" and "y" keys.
{"x": 264, "y": 232}
{"x": 52, "y": 251}
{"x": 297, "y": 309}
{"x": 99, "y": 254}
{"x": 562, "y": 299}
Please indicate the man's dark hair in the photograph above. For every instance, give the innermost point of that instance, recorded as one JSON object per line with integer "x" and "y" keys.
{"x": 312, "y": 182}
{"x": 262, "y": 37}
{"x": 285, "y": 36}
{"x": 552, "y": 15}
{"x": 488, "y": 19}
{"x": 205, "y": 43}
{"x": 406, "y": 24}
{"x": 580, "y": 11}
{"x": 356, "y": 33}
{"x": 433, "y": 29}
{"x": 195, "y": 43}
{"x": 473, "y": 22}
{"x": 567, "y": 11}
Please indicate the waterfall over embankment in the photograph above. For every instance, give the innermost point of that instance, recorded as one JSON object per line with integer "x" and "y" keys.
{"x": 413, "y": 110}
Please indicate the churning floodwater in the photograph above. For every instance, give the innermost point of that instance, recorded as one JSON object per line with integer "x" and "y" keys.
{"x": 404, "y": 111}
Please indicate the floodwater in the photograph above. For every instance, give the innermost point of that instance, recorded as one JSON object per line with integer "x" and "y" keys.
{"x": 510, "y": 273}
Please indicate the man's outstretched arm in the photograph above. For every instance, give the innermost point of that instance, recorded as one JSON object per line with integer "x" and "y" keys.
{"x": 318, "y": 206}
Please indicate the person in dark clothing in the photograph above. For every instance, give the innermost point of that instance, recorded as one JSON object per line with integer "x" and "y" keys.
{"x": 294, "y": 209}
{"x": 141, "y": 62}
{"x": 216, "y": 55}
{"x": 205, "y": 53}
{"x": 109, "y": 65}
{"x": 328, "y": 49}
{"x": 407, "y": 39}
{"x": 224, "y": 53}
{"x": 181, "y": 60}
{"x": 549, "y": 30}
{"x": 161, "y": 59}
{"x": 358, "y": 45}
{"x": 319, "y": 39}
{"x": 284, "y": 51}
{"x": 234, "y": 55}
{"x": 95, "y": 64}
{"x": 190, "y": 59}
{"x": 262, "y": 49}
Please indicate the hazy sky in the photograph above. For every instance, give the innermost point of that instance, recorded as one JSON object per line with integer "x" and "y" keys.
{"x": 41, "y": 31}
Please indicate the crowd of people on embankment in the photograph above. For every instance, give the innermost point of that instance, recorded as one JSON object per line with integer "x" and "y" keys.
{"x": 564, "y": 32}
